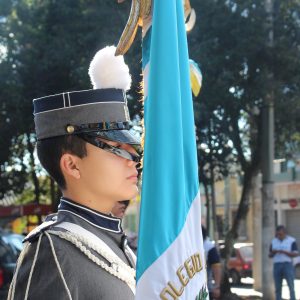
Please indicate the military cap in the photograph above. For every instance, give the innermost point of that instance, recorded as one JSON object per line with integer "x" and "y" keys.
{"x": 101, "y": 111}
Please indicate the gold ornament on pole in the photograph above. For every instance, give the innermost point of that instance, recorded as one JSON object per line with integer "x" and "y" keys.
{"x": 141, "y": 10}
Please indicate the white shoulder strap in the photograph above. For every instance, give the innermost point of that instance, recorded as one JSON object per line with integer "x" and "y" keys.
{"x": 78, "y": 235}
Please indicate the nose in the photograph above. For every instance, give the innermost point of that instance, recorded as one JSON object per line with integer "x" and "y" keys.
{"x": 131, "y": 163}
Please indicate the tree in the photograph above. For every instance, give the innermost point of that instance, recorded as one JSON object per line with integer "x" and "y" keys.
{"x": 229, "y": 43}
{"x": 46, "y": 49}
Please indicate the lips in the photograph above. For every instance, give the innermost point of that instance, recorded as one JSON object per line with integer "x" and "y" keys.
{"x": 133, "y": 177}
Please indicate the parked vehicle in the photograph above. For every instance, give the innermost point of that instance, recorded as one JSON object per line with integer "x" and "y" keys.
{"x": 239, "y": 264}
{"x": 10, "y": 248}
{"x": 15, "y": 240}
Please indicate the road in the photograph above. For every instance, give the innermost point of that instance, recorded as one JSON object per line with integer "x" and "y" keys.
{"x": 246, "y": 290}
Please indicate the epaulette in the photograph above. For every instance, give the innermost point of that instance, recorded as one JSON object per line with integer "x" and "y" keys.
{"x": 36, "y": 232}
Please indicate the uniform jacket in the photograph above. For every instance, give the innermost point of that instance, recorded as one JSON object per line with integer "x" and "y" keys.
{"x": 52, "y": 268}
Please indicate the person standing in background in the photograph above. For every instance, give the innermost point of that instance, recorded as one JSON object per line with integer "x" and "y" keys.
{"x": 282, "y": 249}
{"x": 214, "y": 269}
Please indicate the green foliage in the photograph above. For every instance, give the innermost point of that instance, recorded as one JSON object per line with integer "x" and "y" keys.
{"x": 241, "y": 70}
{"x": 229, "y": 42}
{"x": 46, "y": 48}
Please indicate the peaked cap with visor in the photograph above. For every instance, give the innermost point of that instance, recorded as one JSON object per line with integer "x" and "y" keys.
{"x": 99, "y": 112}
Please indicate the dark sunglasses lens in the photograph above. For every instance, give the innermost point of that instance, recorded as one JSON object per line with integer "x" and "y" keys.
{"x": 125, "y": 154}
{"x": 115, "y": 150}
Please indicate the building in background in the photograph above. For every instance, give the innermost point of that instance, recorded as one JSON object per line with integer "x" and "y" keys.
{"x": 286, "y": 202}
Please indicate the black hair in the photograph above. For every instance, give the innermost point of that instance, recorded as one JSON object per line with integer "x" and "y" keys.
{"x": 50, "y": 151}
{"x": 280, "y": 227}
{"x": 125, "y": 202}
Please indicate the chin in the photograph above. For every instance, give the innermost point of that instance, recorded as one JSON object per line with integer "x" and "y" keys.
{"x": 133, "y": 192}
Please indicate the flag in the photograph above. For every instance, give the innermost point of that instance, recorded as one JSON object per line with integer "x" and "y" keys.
{"x": 171, "y": 263}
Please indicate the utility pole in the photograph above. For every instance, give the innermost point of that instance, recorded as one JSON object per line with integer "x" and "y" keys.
{"x": 267, "y": 163}
{"x": 257, "y": 232}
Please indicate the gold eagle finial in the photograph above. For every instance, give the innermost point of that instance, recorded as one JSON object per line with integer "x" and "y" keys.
{"x": 141, "y": 9}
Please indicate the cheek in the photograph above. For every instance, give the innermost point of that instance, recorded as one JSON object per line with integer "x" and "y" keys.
{"x": 115, "y": 182}
{"x": 104, "y": 172}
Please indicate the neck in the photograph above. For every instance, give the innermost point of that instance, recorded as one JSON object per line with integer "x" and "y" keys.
{"x": 98, "y": 203}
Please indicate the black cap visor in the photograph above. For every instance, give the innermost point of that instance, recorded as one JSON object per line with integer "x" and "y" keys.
{"x": 117, "y": 150}
{"x": 120, "y": 136}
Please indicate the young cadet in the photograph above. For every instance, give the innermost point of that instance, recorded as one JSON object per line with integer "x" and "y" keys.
{"x": 85, "y": 145}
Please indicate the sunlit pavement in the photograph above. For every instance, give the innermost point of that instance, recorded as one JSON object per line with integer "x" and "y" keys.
{"x": 245, "y": 290}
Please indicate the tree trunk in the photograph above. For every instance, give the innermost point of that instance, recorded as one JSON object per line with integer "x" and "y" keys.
{"x": 34, "y": 177}
{"x": 207, "y": 206}
{"x": 232, "y": 234}
{"x": 251, "y": 170}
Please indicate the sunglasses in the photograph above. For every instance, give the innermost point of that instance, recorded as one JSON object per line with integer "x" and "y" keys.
{"x": 112, "y": 149}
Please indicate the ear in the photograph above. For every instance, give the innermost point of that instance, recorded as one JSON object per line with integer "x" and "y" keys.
{"x": 69, "y": 165}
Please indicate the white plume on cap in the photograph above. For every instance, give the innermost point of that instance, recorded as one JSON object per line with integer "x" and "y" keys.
{"x": 109, "y": 71}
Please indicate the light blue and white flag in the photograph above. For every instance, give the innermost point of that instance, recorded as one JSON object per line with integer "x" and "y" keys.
{"x": 171, "y": 261}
